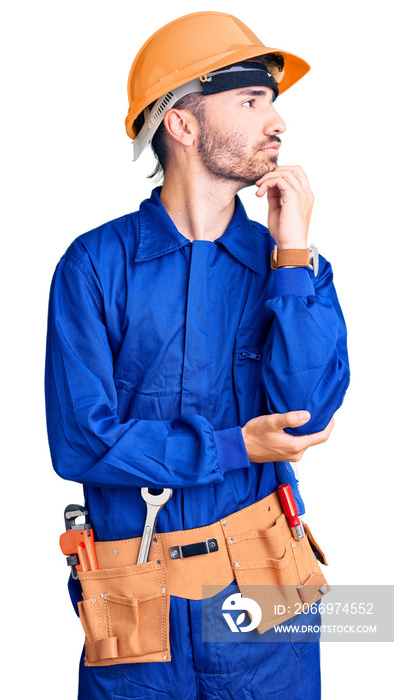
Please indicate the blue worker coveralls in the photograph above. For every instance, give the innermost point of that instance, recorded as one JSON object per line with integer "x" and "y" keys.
{"x": 159, "y": 350}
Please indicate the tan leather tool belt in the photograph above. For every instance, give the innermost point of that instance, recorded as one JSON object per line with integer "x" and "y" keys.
{"x": 125, "y": 607}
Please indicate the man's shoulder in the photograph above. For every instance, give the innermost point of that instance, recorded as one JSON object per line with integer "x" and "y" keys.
{"x": 116, "y": 238}
{"x": 112, "y": 233}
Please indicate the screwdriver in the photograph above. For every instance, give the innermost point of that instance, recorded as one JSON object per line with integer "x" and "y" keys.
{"x": 290, "y": 509}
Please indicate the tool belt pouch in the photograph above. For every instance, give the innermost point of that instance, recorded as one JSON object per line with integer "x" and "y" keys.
{"x": 275, "y": 569}
{"x": 125, "y": 614}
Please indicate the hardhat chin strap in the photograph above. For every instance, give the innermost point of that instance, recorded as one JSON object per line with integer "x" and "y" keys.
{"x": 155, "y": 116}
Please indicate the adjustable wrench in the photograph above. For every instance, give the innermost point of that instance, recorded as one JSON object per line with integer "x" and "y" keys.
{"x": 154, "y": 504}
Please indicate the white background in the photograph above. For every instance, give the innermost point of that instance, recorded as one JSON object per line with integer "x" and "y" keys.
{"x": 67, "y": 168}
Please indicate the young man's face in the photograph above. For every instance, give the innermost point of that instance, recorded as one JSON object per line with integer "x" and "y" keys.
{"x": 239, "y": 136}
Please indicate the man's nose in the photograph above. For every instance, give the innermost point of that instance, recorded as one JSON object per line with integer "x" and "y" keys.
{"x": 274, "y": 124}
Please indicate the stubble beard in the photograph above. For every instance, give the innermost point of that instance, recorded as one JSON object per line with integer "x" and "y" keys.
{"x": 228, "y": 157}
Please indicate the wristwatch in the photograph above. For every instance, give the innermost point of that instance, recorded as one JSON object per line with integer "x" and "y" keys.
{"x": 296, "y": 257}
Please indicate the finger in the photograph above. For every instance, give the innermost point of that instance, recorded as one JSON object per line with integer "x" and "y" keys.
{"x": 294, "y": 169}
{"x": 285, "y": 182}
{"x": 301, "y": 176}
{"x": 275, "y": 174}
{"x": 274, "y": 196}
{"x": 292, "y": 419}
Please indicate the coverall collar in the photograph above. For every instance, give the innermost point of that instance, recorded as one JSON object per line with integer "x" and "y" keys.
{"x": 159, "y": 235}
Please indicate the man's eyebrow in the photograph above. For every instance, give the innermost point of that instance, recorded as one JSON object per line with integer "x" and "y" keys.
{"x": 252, "y": 93}
{"x": 249, "y": 92}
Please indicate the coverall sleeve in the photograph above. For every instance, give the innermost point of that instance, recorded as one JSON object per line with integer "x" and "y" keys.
{"x": 305, "y": 362}
{"x": 88, "y": 442}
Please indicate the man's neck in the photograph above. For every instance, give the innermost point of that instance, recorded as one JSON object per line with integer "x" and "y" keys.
{"x": 200, "y": 207}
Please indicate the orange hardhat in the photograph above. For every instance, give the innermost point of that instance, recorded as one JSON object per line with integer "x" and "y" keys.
{"x": 188, "y": 48}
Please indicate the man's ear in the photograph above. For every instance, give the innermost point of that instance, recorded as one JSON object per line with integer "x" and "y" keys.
{"x": 181, "y": 126}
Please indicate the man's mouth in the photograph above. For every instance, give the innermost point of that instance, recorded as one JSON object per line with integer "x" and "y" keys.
{"x": 272, "y": 147}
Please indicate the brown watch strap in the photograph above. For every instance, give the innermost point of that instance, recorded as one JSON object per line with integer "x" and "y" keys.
{"x": 294, "y": 257}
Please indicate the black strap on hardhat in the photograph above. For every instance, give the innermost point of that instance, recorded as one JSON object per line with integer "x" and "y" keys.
{"x": 239, "y": 75}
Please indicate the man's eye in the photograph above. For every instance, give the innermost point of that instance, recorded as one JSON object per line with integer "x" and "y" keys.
{"x": 248, "y": 103}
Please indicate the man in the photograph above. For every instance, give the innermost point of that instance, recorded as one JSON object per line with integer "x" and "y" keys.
{"x": 186, "y": 352}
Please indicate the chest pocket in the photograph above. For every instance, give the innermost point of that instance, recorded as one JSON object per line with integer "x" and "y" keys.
{"x": 248, "y": 358}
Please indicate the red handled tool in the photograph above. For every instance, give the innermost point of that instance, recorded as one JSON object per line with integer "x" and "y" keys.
{"x": 290, "y": 509}
{"x": 78, "y": 541}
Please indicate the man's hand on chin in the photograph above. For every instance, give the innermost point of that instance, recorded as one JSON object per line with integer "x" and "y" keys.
{"x": 290, "y": 202}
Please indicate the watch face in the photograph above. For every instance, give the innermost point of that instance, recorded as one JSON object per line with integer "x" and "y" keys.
{"x": 314, "y": 259}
